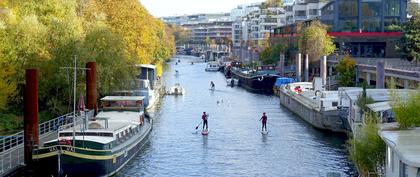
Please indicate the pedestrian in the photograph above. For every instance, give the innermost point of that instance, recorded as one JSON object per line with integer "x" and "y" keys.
{"x": 204, "y": 118}
{"x": 264, "y": 122}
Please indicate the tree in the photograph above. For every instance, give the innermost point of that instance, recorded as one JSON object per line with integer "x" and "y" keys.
{"x": 315, "y": 41}
{"x": 410, "y": 42}
{"x": 272, "y": 3}
{"x": 182, "y": 35}
{"x": 367, "y": 149}
{"x": 270, "y": 55}
{"x": 346, "y": 69}
{"x": 407, "y": 109}
{"x": 46, "y": 35}
{"x": 413, "y": 8}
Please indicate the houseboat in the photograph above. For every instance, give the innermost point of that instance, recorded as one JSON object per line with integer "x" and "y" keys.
{"x": 97, "y": 146}
{"x": 260, "y": 80}
{"x": 314, "y": 105}
{"x": 148, "y": 85}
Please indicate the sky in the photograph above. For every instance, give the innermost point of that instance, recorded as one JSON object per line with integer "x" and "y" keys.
{"x": 161, "y": 8}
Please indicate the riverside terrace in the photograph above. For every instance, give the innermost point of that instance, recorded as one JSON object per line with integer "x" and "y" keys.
{"x": 405, "y": 73}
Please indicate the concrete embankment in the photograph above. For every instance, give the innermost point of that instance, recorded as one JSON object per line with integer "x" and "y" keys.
{"x": 311, "y": 113}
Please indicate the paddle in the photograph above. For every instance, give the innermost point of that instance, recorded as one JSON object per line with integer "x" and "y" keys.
{"x": 198, "y": 125}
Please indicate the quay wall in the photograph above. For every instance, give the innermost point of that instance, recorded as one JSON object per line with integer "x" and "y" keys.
{"x": 309, "y": 111}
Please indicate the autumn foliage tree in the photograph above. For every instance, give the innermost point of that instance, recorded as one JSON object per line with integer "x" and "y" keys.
{"x": 346, "y": 69}
{"x": 315, "y": 41}
{"x": 48, "y": 34}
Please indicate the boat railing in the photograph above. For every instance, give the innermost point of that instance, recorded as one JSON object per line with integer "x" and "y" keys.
{"x": 303, "y": 99}
{"x": 11, "y": 146}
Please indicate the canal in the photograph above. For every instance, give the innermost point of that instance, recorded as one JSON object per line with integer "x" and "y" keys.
{"x": 234, "y": 146}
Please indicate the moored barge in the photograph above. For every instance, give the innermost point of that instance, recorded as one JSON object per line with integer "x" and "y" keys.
{"x": 100, "y": 145}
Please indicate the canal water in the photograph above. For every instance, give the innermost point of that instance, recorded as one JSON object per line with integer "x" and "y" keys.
{"x": 234, "y": 146}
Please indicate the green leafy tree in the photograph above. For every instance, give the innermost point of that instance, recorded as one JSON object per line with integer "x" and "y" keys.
{"x": 270, "y": 55}
{"x": 410, "y": 42}
{"x": 413, "y": 8}
{"x": 315, "y": 41}
{"x": 346, "y": 69}
{"x": 182, "y": 35}
{"x": 272, "y": 3}
{"x": 407, "y": 109}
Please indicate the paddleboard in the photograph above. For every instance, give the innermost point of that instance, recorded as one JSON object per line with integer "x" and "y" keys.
{"x": 205, "y": 132}
{"x": 264, "y": 132}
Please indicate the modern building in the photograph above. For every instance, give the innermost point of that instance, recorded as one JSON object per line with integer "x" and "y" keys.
{"x": 217, "y": 31}
{"x": 302, "y": 10}
{"x": 257, "y": 24}
{"x": 366, "y": 28}
{"x": 402, "y": 152}
{"x": 195, "y": 19}
{"x": 362, "y": 28}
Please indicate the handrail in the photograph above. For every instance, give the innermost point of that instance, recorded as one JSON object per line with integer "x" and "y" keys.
{"x": 11, "y": 147}
{"x": 12, "y": 141}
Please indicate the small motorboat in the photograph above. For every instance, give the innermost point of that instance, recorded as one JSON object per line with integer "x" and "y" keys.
{"x": 176, "y": 90}
{"x": 232, "y": 82}
{"x": 212, "y": 66}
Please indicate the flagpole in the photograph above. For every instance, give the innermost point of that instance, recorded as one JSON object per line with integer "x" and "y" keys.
{"x": 74, "y": 101}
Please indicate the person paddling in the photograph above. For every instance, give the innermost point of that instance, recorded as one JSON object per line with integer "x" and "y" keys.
{"x": 212, "y": 85}
{"x": 264, "y": 122}
{"x": 204, "y": 117}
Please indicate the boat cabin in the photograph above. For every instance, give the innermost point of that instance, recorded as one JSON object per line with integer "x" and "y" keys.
{"x": 119, "y": 119}
{"x": 402, "y": 152}
{"x": 147, "y": 73}
{"x": 122, "y": 103}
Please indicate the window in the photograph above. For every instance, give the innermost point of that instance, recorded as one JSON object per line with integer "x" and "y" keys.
{"x": 418, "y": 172}
{"x": 371, "y": 24}
{"x": 392, "y": 8}
{"x": 313, "y": 11}
{"x": 300, "y": 13}
{"x": 390, "y": 158}
{"x": 347, "y": 8}
{"x": 347, "y": 25}
{"x": 371, "y": 8}
{"x": 334, "y": 104}
{"x": 391, "y": 23}
{"x": 403, "y": 169}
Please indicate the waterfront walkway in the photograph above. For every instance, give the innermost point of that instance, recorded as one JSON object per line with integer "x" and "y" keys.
{"x": 11, "y": 147}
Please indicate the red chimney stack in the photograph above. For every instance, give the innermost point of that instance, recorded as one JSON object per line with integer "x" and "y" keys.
{"x": 91, "y": 86}
{"x": 31, "y": 131}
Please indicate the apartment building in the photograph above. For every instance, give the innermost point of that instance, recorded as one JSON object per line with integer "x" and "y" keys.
{"x": 302, "y": 10}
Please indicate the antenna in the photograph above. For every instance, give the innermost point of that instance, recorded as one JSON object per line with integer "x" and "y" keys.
{"x": 74, "y": 94}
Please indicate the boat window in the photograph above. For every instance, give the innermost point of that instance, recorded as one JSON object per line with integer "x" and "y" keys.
{"x": 104, "y": 134}
{"x": 334, "y": 103}
{"x": 403, "y": 169}
{"x": 122, "y": 105}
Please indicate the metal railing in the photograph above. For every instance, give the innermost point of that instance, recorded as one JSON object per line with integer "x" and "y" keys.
{"x": 11, "y": 147}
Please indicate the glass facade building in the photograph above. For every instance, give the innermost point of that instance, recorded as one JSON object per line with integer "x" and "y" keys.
{"x": 361, "y": 28}
{"x": 365, "y": 28}
{"x": 364, "y": 15}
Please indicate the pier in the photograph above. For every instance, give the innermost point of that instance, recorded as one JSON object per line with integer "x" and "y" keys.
{"x": 11, "y": 147}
